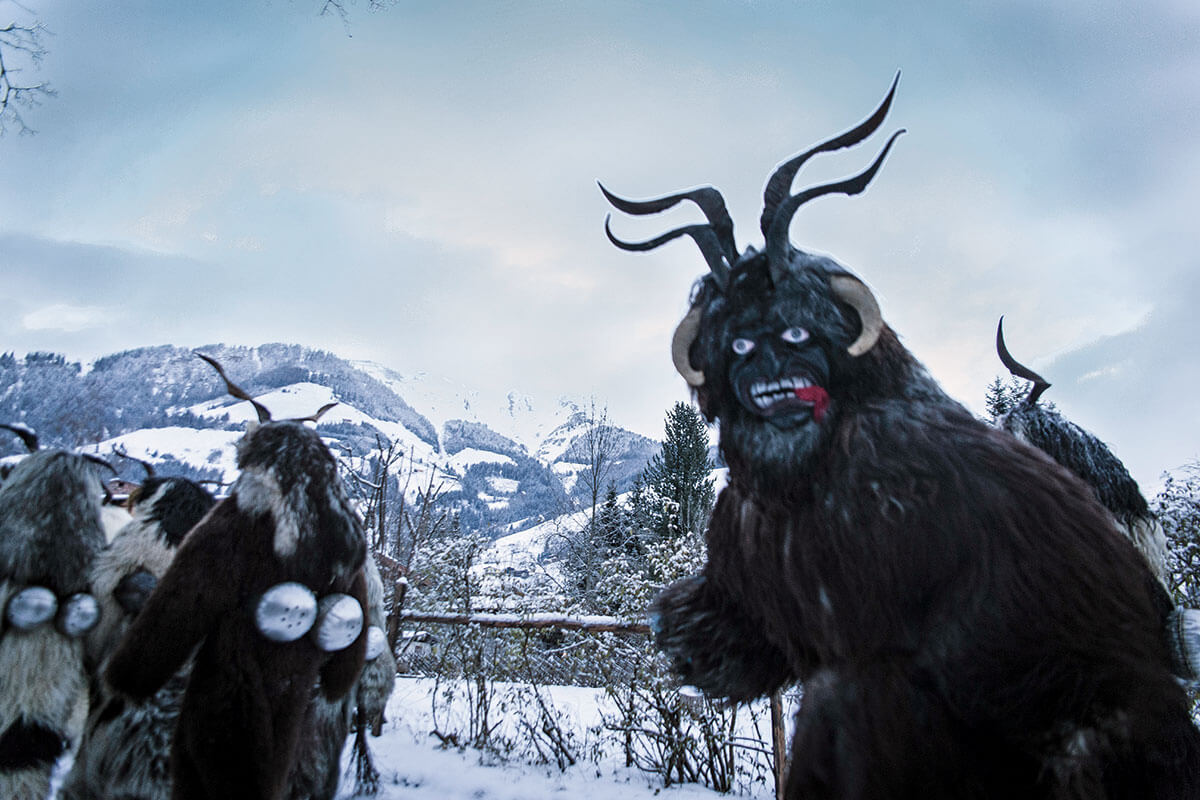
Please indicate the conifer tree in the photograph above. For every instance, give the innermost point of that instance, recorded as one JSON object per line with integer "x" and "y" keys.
{"x": 680, "y": 474}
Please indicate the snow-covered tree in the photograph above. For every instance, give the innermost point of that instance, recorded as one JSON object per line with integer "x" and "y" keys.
{"x": 680, "y": 475}
{"x": 1178, "y": 509}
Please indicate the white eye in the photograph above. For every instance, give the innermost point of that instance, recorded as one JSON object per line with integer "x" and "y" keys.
{"x": 742, "y": 346}
{"x": 794, "y": 335}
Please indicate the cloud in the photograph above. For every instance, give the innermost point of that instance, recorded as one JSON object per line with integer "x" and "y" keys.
{"x": 68, "y": 318}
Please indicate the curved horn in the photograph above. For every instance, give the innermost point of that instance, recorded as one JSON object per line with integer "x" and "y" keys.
{"x": 237, "y": 391}
{"x": 702, "y": 235}
{"x": 146, "y": 465}
{"x": 95, "y": 459}
{"x": 25, "y": 433}
{"x": 780, "y": 182}
{"x": 1018, "y": 369}
{"x": 855, "y": 293}
{"x": 715, "y": 239}
{"x": 314, "y": 416}
{"x": 681, "y": 342}
{"x": 777, "y": 236}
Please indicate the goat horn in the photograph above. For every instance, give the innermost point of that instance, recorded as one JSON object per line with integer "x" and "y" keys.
{"x": 780, "y": 182}
{"x": 855, "y": 293}
{"x": 237, "y": 391}
{"x": 777, "y": 237}
{"x": 26, "y": 435}
{"x": 146, "y": 465}
{"x": 681, "y": 343}
{"x": 95, "y": 459}
{"x": 715, "y": 239}
{"x": 315, "y": 416}
{"x": 1018, "y": 369}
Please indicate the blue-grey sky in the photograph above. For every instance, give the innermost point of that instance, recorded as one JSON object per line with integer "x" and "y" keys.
{"x": 419, "y": 187}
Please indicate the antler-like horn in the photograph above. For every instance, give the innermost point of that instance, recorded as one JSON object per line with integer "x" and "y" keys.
{"x": 777, "y": 236}
{"x": 780, "y": 183}
{"x": 854, "y": 292}
{"x": 1018, "y": 369}
{"x": 237, "y": 391}
{"x": 146, "y": 465}
{"x": 95, "y": 459}
{"x": 315, "y": 416}
{"x": 681, "y": 343}
{"x": 25, "y": 433}
{"x": 715, "y": 239}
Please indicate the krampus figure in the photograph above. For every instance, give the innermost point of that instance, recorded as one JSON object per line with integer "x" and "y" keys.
{"x": 1086, "y": 456}
{"x": 244, "y": 587}
{"x": 50, "y": 530}
{"x": 965, "y": 619}
{"x": 125, "y": 752}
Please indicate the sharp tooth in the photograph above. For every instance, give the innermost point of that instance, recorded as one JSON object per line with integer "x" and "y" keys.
{"x": 761, "y": 402}
{"x": 773, "y": 386}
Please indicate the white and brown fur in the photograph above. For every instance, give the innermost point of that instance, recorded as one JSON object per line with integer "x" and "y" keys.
{"x": 50, "y": 530}
{"x": 125, "y": 751}
{"x": 287, "y": 519}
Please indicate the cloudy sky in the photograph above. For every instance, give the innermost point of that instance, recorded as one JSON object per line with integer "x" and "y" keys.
{"x": 417, "y": 186}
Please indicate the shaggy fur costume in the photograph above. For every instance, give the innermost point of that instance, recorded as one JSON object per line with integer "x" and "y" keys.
{"x": 125, "y": 752}
{"x": 965, "y": 619}
{"x": 1086, "y": 456}
{"x": 286, "y": 519}
{"x": 327, "y": 723}
{"x": 50, "y": 530}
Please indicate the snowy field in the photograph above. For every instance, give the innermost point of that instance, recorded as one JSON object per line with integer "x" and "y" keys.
{"x": 413, "y": 765}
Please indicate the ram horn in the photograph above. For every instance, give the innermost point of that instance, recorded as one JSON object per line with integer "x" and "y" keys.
{"x": 681, "y": 343}
{"x": 855, "y": 293}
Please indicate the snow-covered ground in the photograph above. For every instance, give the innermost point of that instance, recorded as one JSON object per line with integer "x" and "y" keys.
{"x": 413, "y": 765}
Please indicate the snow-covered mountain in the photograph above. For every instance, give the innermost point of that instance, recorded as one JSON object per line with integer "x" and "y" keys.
{"x": 504, "y": 461}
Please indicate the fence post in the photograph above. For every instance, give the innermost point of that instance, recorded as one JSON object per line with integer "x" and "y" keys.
{"x": 778, "y": 742}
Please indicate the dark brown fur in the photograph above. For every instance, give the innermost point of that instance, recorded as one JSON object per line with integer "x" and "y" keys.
{"x": 286, "y": 520}
{"x": 965, "y": 619}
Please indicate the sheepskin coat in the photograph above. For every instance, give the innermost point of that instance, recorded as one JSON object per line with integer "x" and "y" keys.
{"x": 125, "y": 751}
{"x": 50, "y": 530}
{"x": 286, "y": 519}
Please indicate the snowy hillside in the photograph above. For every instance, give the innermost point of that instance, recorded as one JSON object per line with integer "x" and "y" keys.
{"x": 505, "y": 462}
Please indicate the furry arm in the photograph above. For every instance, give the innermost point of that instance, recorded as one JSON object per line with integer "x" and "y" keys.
{"x": 202, "y": 584}
{"x": 713, "y": 644}
{"x": 341, "y": 672}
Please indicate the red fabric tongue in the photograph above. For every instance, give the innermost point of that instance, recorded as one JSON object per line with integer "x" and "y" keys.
{"x": 818, "y": 397}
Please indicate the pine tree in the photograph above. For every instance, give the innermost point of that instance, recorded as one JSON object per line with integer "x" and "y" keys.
{"x": 680, "y": 474}
{"x": 1001, "y": 396}
{"x": 1177, "y": 507}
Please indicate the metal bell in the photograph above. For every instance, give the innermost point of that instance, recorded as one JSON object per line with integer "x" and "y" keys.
{"x": 1183, "y": 636}
{"x": 376, "y": 642}
{"x": 31, "y": 607}
{"x": 339, "y": 624}
{"x": 78, "y": 615}
{"x": 286, "y": 611}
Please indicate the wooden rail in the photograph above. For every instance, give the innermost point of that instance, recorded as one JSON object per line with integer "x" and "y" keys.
{"x": 591, "y": 624}
{"x": 595, "y": 624}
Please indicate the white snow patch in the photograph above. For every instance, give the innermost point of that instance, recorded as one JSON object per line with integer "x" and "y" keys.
{"x": 471, "y": 456}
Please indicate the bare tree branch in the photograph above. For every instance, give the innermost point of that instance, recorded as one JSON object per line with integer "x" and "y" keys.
{"x": 20, "y": 44}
